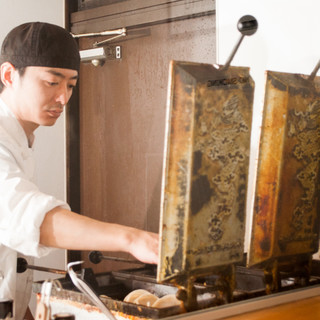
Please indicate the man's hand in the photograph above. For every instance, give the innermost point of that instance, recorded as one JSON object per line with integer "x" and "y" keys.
{"x": 144, "y": 246}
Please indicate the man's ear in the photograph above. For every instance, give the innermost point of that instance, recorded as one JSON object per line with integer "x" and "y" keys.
{"x": 7, "y": 72}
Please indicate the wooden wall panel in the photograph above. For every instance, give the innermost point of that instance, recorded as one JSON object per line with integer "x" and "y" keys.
{"x": 133, "y": 13}
{"x": 122, "y": 121}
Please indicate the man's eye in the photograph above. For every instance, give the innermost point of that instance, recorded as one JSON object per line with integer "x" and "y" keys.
{"x": 51, "y": 84}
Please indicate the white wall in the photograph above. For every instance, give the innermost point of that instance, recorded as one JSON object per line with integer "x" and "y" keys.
{"x": 287, "y": 40}
{"x": 50, "y": 142}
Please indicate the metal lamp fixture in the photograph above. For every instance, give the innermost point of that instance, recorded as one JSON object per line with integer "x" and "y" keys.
{"x": 100, "y": 53}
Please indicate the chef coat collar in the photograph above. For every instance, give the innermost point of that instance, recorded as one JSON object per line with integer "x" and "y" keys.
{"x": 12, "y": 125}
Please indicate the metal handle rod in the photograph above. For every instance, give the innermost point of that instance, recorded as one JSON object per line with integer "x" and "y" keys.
{"x": 233, "y": 53}
{"x": 101, "y": 43}
{"x": 314, "y": 72}
{"x": 96, "y": 257}
{"x": 247, "y": 25}
{"x": 114, "y": 32}
{"x": 22, "y": 266}
{"x": 57, "y": 271}
{"x": 88, "y": 292}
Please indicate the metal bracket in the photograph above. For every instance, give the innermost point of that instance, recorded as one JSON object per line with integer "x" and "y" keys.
{"x": 112, "y": 52}
{"x": 97, "y": 56}
{"x": 100, "y": 53}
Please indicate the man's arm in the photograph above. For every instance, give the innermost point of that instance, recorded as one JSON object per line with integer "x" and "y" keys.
{"x": 65, "y": 229}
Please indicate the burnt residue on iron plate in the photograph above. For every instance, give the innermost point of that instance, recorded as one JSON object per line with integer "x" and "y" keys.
{"x": 286, "y": 210}
{"x": 205, "y": 169}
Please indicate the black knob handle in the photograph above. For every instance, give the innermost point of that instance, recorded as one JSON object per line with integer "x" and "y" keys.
{"x": 95, "y": 257}
{"x": 22, "y": 265}
{"x": 248, "y": 25}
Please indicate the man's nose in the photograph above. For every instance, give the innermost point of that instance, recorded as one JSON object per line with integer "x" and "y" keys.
{"x": 63, "y": 95}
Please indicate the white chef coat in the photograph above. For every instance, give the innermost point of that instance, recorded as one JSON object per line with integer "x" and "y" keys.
{"x": 22, "y": 208}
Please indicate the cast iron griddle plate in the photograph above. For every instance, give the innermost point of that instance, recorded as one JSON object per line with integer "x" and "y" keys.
{"x": 286, "y": 210}
{"x": 209, "y": 114}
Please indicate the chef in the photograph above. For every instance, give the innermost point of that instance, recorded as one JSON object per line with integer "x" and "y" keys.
{"x": 39, "y": 66}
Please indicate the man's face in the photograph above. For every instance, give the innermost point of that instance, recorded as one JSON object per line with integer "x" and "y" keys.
{"x": 41, "y": 94}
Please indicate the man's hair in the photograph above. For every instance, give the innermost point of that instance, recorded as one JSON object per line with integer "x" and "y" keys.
{"x": 21, "y": 72}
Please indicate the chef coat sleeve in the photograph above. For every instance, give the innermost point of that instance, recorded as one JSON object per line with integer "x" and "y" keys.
{"x": 22, "y": 208}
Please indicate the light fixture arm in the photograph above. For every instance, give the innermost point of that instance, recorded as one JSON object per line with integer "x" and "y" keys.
{"x": 97, "y": 55}
{"x": 116, "y": 33}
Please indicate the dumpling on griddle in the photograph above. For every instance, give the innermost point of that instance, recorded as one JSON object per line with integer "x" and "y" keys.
{"x": 166, "y": 301}
{"x": 133, "y": 295}
{"x": 146, "y": 299}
